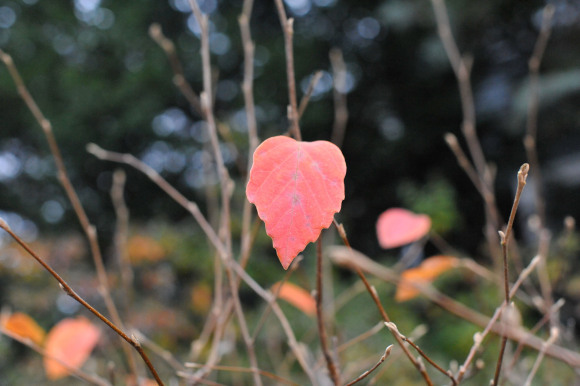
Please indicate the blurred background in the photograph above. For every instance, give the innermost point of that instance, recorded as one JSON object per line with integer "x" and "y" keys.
{"x": 98, "y": 77}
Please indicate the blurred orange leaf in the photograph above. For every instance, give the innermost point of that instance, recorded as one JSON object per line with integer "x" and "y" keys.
{"x": 70, "y": 341}
{"x": 298, "y": 297}
{"x": 397, "y": 227}
{"x": 25, "y": 327}
{"x": 141, "y": 248}
{"x": 201, "y": 298}
{"x": 425, "y": 273}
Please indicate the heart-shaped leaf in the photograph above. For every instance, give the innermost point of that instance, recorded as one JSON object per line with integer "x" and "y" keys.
{"x": 397, "y": 227}
{"x": 71, "y": 342}
{"x": 297, "y": 188}
{"x": 425, "y": 273}
{"x": 297, "y": 296}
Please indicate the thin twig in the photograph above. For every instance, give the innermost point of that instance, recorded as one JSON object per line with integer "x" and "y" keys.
{"x": 190, "y": 206}
{"x": 89, "y": 229}
{"x": 253, "y": 140}
{"x": 288, "y": 31}
{"x": 339, "y": 96}
{"x": 554, "y": 333}
{"x": 160, "y": 351}
{"x": 266, "y": 313}
{"x": 69, "y": 291}
{"x": 546, "y": 318}
{"x": 372, "y": 291}
{"x": 395, "y": 330}
{"x": 332, "y": 368}
{"x": 359, "y": 338}
{"x": 530, "y": 139}
{"x": 351, "y": 259}
{"x": 366, "y": 373}
{"x": 543, "y": 276}
{"x": 237, "y": 369}
{"x": 194, "y": 210}
{"x": 292, "y": 342}
{"x": 121, "y": 232}
{"x": 93, "y": 379}
{"x": 225, "y": 183}
{"x": 505, "y": 237}
{"x": 306, "y": 97}
{"x": 179, "y": 80}
{"x": 462, "y": 69}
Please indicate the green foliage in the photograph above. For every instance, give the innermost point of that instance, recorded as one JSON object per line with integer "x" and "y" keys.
{"x": 436, "y": 198}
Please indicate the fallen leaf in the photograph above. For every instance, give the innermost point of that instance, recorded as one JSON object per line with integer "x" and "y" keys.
{"x": 297, "y": 296}
{"x": 425, "y": 273}
{"x": 397, "y": 227}
{"x": 70, "y": 341}
{"x": 25, "y": 327}
{"x": 297, "y": 188}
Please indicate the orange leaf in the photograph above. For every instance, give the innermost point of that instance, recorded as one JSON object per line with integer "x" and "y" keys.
{"x": 70, "y": 341}
{"x": 25, "y": 327}
{"x": 298, "y": 297}
{"x": 425, "y": 273}
{"x": 141, "y": 248}
{"x": 397, "y": 227}
{"x": 297, "y": 188}
{"x": 201, "y": 298}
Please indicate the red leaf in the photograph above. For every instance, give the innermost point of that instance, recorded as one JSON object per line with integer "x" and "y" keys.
{"x": 425, "y": 273}
{"x": 70, "y": 341}
{"x": 297, "y": 188}
{"x": 297, "y": 296}
{"x": 397, "y": 227}
{"x": 25, "y": 327}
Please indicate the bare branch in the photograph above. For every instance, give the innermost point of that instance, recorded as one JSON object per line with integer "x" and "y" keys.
{"x": 366, "y": 373}
{"x": 288, "y": 30}
{"x": 70, "y": 292}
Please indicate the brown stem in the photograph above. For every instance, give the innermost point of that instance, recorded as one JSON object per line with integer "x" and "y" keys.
{"x": 178, "y": 76}
{"x": 90, "y": 378}
{"x": 332, "y": 368}
{"x": 121, "y": 232}
{"x": 351, "y": 259}
{"x": 69, "y": 291}
{"x": 522, "y": 176}
{"x": 554, "y": 333}
{"x": 339, "y": 96}
{"x": 530, "y": 140}
{"x": 248, "y": 90}
{"x": 546, "y": 318}
{"x": 288, "y": 31}
{"x": 306, "y": 97}
{"x": 89, "y": 230}
{"x": 372, "y": 291}
{"x": 366, "y": 373}
{"x": 395, "y": 330}
{"x": 266, "y": 313}
{"x": 237, "y": 369}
